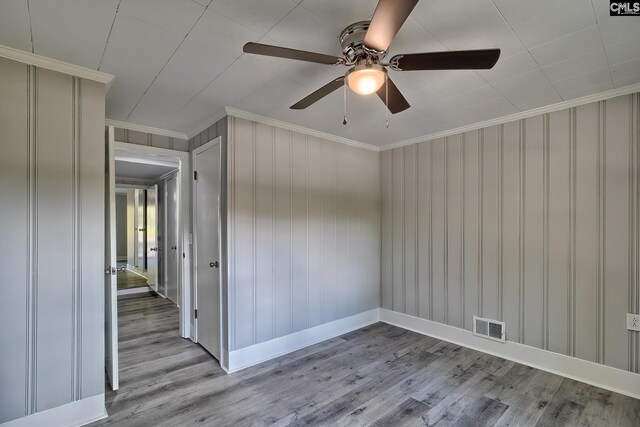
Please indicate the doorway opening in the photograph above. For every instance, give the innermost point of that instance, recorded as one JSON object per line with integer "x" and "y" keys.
{"x": 146, "y": 226}
{"x": 147, "y": 244}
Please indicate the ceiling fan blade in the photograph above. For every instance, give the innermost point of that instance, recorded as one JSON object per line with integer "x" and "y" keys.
{"x": 397, "y": 102}
{"x": 319, "y": 94}
{"x": 456, "y": 60}
{"x": 284, "y": 52}
{"x": 386, "y": 22}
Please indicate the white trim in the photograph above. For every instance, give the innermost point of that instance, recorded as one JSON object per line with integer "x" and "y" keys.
{"x": 563, "y": 105}
{"x": 145, "y": 129}
{"x": 72, "y": 414}
{"x": 300, "y": 129}
{"x": 146, "y": 289}
{"x": 125, "y": 156}
{"x": 205, "y": 124}
{"x": 617, "y": 380}
{"x": 55, "y": 65}
{"x": 258, "y": 353}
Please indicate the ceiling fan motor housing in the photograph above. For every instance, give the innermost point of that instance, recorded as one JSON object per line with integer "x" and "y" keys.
{"x": 352, "y": 42}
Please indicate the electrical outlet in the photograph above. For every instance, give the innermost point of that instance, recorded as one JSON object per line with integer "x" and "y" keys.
{"x": 633, "y": 322}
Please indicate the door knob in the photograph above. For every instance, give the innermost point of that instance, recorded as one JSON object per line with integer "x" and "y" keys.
{"x": 121, "y": 269}
{"x": 213, "y": 264}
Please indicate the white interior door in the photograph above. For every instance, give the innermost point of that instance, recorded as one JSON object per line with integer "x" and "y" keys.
{"x": 140, "y": 239}
{"x": 171, "y": 239}
{"x": 207, "y": 203}
{"x": 110, "y": 278}
{"x": 131, "y": 228}
{"x": 152, "y": 237}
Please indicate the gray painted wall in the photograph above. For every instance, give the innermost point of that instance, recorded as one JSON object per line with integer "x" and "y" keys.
{"x": 533, "y": 222}
{"x": 121, "y": 226}
{"x": 304, "y": 231}
{"x": 52, "y": 210}
{"x": 217, "y": 129}
{"x": 152, "y": 140}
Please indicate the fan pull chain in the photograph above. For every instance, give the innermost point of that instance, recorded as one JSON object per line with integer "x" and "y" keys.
{"x": 344, "y": 120}
{"x": 386, "y": 90}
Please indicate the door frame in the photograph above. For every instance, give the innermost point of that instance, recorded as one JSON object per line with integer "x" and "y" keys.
{"x": 194, "y": 153}
{"x": 164, "y": 156}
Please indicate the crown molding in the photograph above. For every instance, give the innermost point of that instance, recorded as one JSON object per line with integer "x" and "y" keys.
{"x": 300, "y": 129}
{"x": 54, "y": 65}
{"x": 205, "y": 124}
{"x": 518, "y": 116}
{"x": 145, "y": 129}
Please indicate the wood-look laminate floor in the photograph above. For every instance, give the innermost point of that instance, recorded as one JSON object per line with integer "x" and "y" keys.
{"x": 128, "y": 279}
{"x": 380, "y": 375}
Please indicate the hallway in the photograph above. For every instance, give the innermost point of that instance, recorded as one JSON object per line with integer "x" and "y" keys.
{"x": 156, "y": 365}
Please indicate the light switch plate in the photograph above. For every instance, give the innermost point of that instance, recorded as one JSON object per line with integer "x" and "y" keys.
{"x": 633, "y": 322}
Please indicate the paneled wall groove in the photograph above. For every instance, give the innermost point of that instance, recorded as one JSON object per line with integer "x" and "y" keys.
{"x": 481, "y": 223}
{"x": 546, "y": 209}
{"x": 636, "y": 136}
{"x": 254, "y": 259}
{"x": 445, "y": 268}
{"x": 417, "y": 232}
{"x": 76, "y": 248}
{"x": 522, "y": 177}
{"x": 571, "y": 300}
{"x": 541, "y": 214}
{"x": 633, "y": 235}
{"x": 500, "y": 222}
{"x": 636, "y": 216}
{"x": 430, "y": 231}
{"x": 31, "y": 233}
{"x": 601, "y": 227}
{"x": 463, "y": 282}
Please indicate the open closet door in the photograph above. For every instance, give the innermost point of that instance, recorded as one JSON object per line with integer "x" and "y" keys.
{"x": 152, "y": 237}
{"x": 110, "y": 278}
{"x": 171, "y": 256}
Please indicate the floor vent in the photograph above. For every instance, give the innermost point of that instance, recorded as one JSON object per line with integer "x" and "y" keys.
{"x": 490, "y": 329}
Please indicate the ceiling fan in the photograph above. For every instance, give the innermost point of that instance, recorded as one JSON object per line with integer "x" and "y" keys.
{"x": 364, "y": 46}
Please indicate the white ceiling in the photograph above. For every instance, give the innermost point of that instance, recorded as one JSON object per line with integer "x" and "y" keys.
{"x": 178, "y": 63}
{"x": 131, "y": 169}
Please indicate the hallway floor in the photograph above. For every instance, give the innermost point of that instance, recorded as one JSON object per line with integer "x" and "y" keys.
{"x": 378, "y": 375}
{"x": 128, "y": 279}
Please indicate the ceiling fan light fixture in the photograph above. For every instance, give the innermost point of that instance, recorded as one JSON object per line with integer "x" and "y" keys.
{"x": 366, "y": 79}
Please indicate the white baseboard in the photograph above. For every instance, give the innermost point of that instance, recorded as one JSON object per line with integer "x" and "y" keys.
{"x": 617, "y": 380}
{"x": 136, "y": 270}
{"x": 137, "y": 290}
{"x": 72, "y": 414}
{"x": 258, "y": 353}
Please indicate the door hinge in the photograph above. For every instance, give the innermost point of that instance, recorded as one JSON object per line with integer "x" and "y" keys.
{"x": 195, "y": 175}
{"x": 195, "y": 313}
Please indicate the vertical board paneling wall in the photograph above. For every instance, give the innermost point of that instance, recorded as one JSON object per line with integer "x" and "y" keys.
{"x": 533, "y": 222}
{"x": 52, "y": 228}
{"x": 304, "y": 231}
